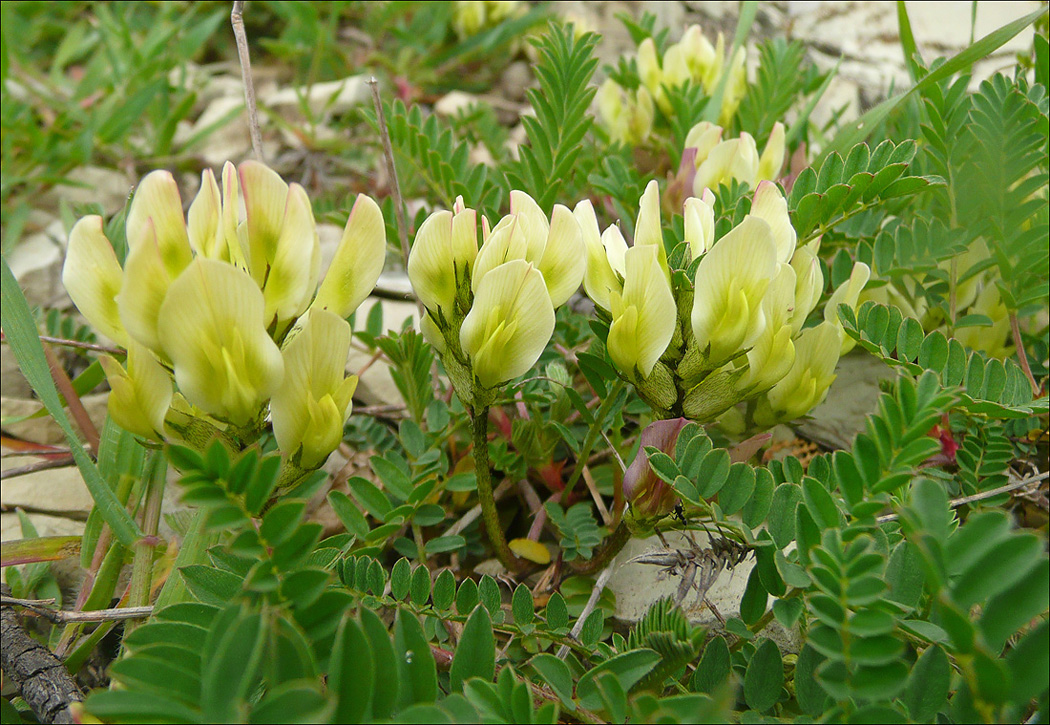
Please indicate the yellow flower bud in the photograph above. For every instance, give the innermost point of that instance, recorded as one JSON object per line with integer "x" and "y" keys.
{"x": 736, "y": 87}
{"x": 735, "y": 158}
{"x": 649, "y": 68}
{"x": 809, "y": 285}
{"x": 313, "y": 402}
{"x": 703, "y": 137}
{"x": 158, "y": 251}
{"x": 700, "y": 223}
{"x": 556, "y": 248}
{"x": 140, "y": 396}
{"x": 212, "y": 330}
{"x": 647, "y": 230}
{"x": 773, "y": 354}
{"x": 509, "y": 324}
{"x": 772, "y": 159}
{"x": 605, "y": 256}
{"x": 93, "y": 277}
{"x": 442, "y": 254}
{"x": 285, "y": 254}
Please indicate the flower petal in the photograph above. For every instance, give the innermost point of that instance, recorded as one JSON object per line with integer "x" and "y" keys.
{"x": 358, "y": 261}
{"x": 564, "y": 259}
{"x": 699, "y": 225}
{"x": 430, "y": 264}
{"x": 538, "y": 228}
{"x": 156, "y": 216}
{"x": 640, "y": 333}
{"x": 599, "y": 278}
{"x": 140, "y": 396}
{"x": 731, "y": 281}
{"x": 93, "y": 277}
{"x": 293, "y": 273}
{"x": 772, "y": 159}
{"x": 507, "y": 241}
{"x": 204, "y": 220}
{"x": 265, "y": 199}
{"x": 213, "y": 331}
{"x": 146, "y": 282}
{"x": 509, "y": 324}
{"x": 771, "y": 206}
{"x": 305, "y": 411}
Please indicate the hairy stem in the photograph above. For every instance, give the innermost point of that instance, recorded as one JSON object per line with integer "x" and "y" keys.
{"x": 480, "y": 426}
{"x": 142, "y": 562}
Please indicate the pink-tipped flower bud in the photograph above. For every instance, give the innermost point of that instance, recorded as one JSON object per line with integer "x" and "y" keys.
{"x": 649, "y": 495}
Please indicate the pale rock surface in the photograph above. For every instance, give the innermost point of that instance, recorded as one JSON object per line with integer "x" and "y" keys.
{"x": 851, "y": 398}
{"x": 93, "y": 185}
{"x": 43, "y": 429}
{"x": 55, "y": 491}
{"x": 637, "y": 586}
{"x": 36, "y": 262}
{"x": 46, "y": 525}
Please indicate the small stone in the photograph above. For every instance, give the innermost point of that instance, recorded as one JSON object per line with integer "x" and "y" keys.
{"x": 36, "y": 262}
{"x": 452, "y": 103}
{"x": 851, "y": 398}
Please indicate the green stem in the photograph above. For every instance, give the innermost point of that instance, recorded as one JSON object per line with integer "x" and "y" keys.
{"x": 142, "y": 562}
{"x": 592, "y": 437}
{"x": 480, "y": 427}
{"x": 192, "y": 551}
{"x": 612, "y": 545}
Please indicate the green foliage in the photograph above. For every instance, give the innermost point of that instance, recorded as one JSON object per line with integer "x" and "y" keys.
{"x": 991, "y": 387}
{"x": 441, "y": 164}
{"x": 781, "y": 78}
{"x": 549, "y": 163}
{"x": 1000, "y": 184}
{"x": 578, "y": 529}
{"x": 842, "y": 188}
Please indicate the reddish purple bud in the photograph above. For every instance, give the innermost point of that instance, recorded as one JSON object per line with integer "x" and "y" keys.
{"x": 647, "y": 493}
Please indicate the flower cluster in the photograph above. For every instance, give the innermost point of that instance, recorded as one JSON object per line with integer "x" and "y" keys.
{"x": 629, "y": 113}
{"x": 224, "y": 302}
{"x": 712, "y": 161}
{"x": 470, "y": 17}
{"x": 696, "y": 345}
{"x": 490, "y": 310}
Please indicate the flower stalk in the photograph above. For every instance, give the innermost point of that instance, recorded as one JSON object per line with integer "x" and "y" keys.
{"x": 483, "y": 472}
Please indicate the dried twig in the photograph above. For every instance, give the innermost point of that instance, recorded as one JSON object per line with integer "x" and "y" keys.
{"x": 388, "y": 154}
{"x": 64, "y": 342}
{"x": 592, "y": 602}
{"x": 37, "y": 466}
{"x": 1022, "y": 356}
{"x": 76, "y": 407}
{"x": 58, "y": 616}
{"x": 962, "y": 501}
{"x": 237, "y": 21}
